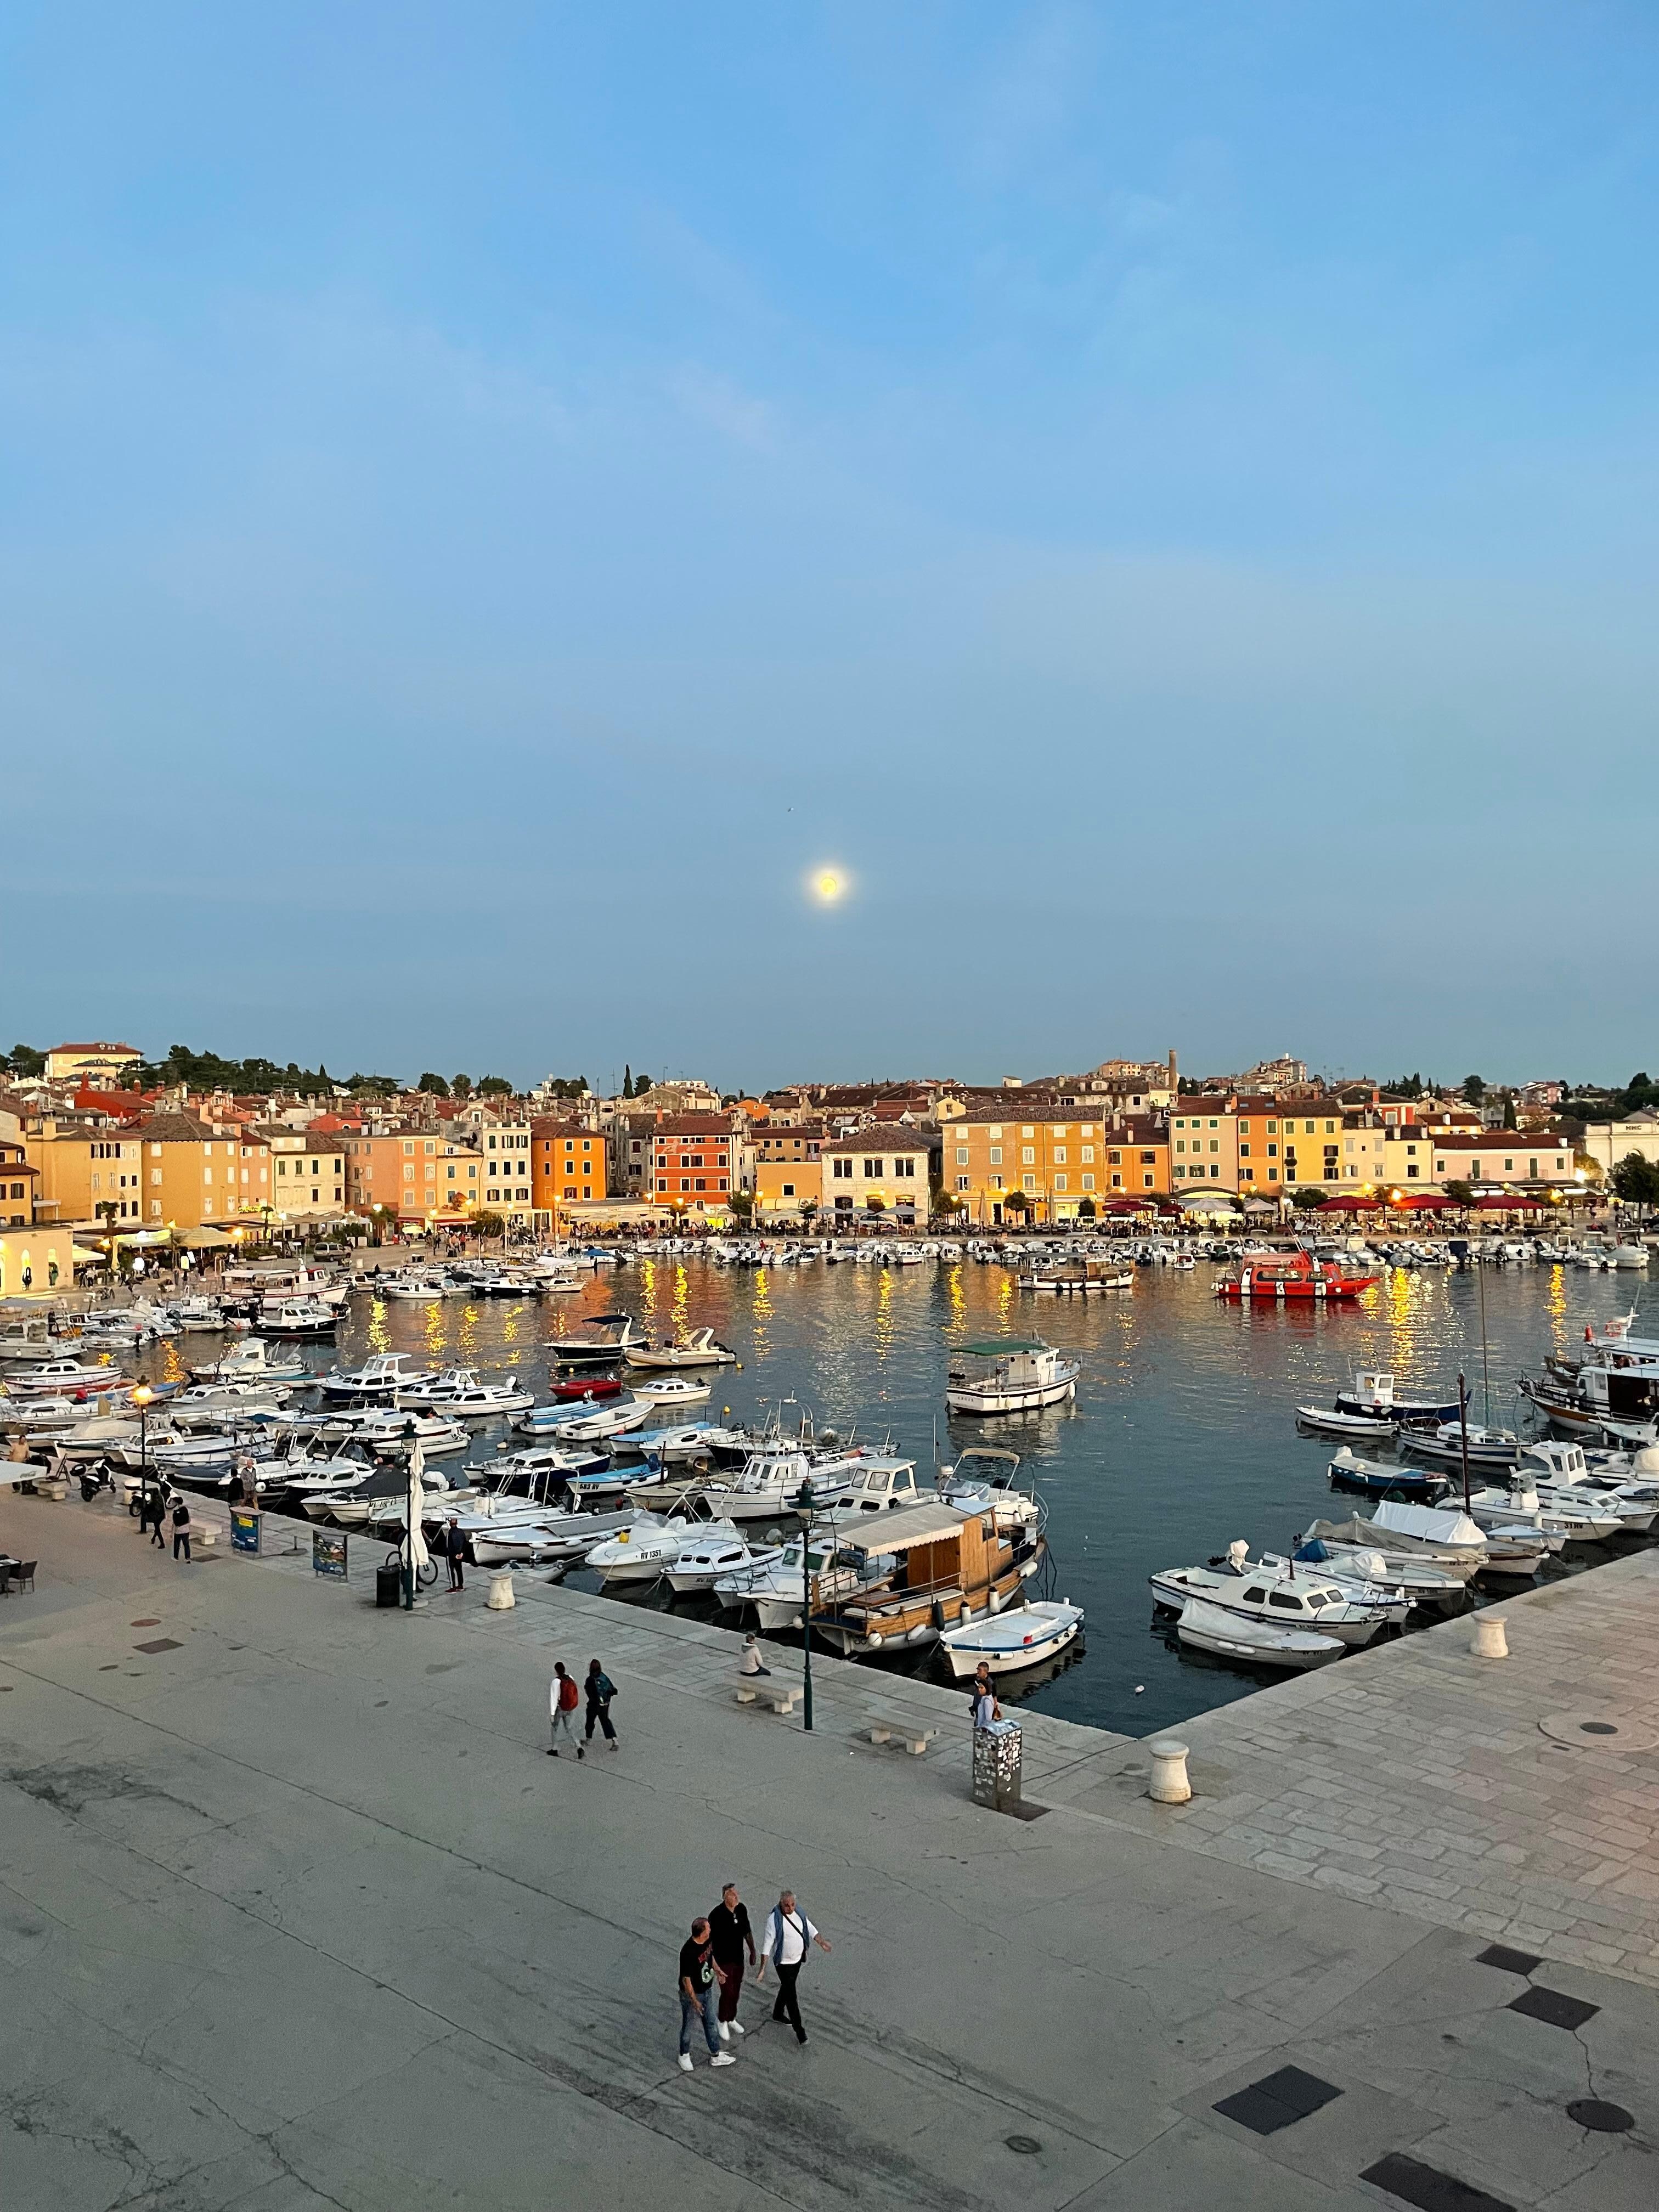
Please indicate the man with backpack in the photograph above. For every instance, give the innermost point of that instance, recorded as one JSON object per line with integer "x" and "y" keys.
{"x": 600, "y": 1691}
{"x": 181, "y": 1530}
{"x": 563, "y": 1698}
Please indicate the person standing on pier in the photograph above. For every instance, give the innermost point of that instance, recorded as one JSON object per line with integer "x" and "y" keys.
{"x": 729, "y": 1922}
{"x": 600, "y": 1691}
{"x": 788, "y": 1932}
{"x": 181, "y": 1530}
{"x": 455, "y": 1550}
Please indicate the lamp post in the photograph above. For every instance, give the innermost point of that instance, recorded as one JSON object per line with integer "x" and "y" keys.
{"x": 142, "y": 1398}
{"x": 806, "y": 1506}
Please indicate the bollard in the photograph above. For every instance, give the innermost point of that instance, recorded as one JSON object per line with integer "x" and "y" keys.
{"x": 1491, "y": 1642}
{"x": 1168, "y": 1785}
{"x": 500, "y": 1598}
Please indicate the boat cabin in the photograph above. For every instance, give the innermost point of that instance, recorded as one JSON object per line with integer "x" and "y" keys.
{"x": 915, "y": 1573}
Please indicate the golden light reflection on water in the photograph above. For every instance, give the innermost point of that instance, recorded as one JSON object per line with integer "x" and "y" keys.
{"x": 883, "y": 1329}
{"x": 649, "y": 1290}
{"x": 380, "y": 1338}
{"x": 678, "y": 1320}
{"x": 432, "y": 1330}
{"x": 1555, "y": 1303}
{"x": 1005, "y": 1299}
{"x": 955, "y": 1297}
{"x": 761, "y": 1308}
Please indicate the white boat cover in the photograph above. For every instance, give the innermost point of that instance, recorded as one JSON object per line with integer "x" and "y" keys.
{"x": 1239, "y": 1628}
{"x": 1430, "y": 1524}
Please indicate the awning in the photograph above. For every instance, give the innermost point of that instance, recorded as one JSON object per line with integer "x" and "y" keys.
{"x": 1509, "y": 1202}
{"x": 205, "y": 1239}
{"x": 1350, "y": 1202}
{"x": 1209, "y": 1201}
{"x": 1423, "y": 1201}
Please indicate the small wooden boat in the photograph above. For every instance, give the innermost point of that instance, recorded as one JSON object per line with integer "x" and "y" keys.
{"x": 1328, "y": 1424}
{"x": 700, "y": 1349}
{"x": 1380, "y": 1479}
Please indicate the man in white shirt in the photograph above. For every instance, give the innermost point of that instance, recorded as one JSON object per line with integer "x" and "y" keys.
{"x": 788, "y": 1932}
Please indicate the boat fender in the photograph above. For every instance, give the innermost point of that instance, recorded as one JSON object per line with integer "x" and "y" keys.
{"x": 996, "y": 1601}
{"x": 939, "y": 1613}
{"x": 876, "y": 1639}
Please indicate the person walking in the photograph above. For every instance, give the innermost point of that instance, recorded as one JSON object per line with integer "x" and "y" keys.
{"x": 788, "y": 1932}
{"x": 729, "y": 1924}
{"x": 563, "y": 1698}
{"x": 455, "y": 1551}
{"x": 699, "y": 1974}
{"x": 600, "y": 1691}
{"x": 181, "y": 1530}
{"x": 158, "y": 1514}
{"x": 751, "y": 1661}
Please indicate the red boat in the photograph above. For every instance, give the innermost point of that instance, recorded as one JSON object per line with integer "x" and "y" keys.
{"x": 1291, "y": 1275}
{"x": 586, "y": 1386}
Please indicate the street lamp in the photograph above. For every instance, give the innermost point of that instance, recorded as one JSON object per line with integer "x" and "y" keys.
{"x": 806, "y": 1506}
{"x": 142, "y": 1397}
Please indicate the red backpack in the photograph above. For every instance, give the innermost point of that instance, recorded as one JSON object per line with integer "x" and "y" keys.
{"x": 569, "y": 1696}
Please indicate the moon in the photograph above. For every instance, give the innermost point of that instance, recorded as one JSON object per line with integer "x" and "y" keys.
{"x": 828, "y": 885}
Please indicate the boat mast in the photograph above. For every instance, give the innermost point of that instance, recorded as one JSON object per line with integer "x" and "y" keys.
{"x": 1463, "y": 1435}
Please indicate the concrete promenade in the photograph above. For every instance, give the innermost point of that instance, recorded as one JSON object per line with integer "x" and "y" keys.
{"x": 294, "y": 1912}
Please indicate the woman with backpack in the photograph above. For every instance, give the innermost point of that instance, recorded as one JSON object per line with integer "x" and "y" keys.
{"x": 561, "y": 1702}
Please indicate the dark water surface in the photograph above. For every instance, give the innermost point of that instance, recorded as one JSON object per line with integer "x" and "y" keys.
{"x": 1182, "y": 1436}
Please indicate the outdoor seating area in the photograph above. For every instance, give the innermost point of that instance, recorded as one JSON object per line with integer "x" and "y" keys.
{"x": 16, "y": 1575}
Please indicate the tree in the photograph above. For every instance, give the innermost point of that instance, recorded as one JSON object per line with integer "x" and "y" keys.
{"x": 740, "y": 1204}
{"x": 1086, "y": 1210}
{"x": 809, "y": 1206}
{"x": 460, "y": 1086}
{"x": 1509, "y": 1111}
{"x": 25, "y": 1060}
{"x": 1308, "y": 1198}
{"x": 494, "y": 1086}
{"x": 627, "y": 1081}
{"x": 433, "y": 1083}
{"x": 1636, "y": 1181}
{"x": 1463, "y": 1193}
{"x": 489, "y": 1224}
{"x": 1475, "y": 1089}
{"x": 642, "y": 1085}
{"x": 1016, "y": 1202}
{"x": 875, "y": 1204}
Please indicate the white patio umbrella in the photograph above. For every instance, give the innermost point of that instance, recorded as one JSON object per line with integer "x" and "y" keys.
{"x": 414, "y": 1507}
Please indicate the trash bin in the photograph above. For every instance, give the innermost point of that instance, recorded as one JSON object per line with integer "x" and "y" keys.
{"x": 389, "y": 1584}
{"x": 997, "y": 1757}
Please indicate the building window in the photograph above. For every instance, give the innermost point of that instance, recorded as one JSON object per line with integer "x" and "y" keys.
{"x": 1060, "y": 1182}
{"x": 962, "y": 1182}
{"x": 962, "y": 1156}
{"x": 996, "y": 1157}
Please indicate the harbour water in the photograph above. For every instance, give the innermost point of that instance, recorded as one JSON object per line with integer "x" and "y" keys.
{"x": 1182, "y": 1436}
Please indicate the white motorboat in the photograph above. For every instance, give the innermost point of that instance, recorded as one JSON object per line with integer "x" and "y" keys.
{"x": 62, "y": 1378}
{"x": 1007, "y": 1375}
{"x": 672, "y": 1390}
{"x": 1459, "y": 1552}
{"x": 378, "y": 1380}
{"x": 699, "y": 1565}
{"x": 879, "y": 1485}
{"x": 644, "y": 1551}
{"x": 204, "y": 1404}
{"x": 306, "y": 1319}
{"x": 249, "y": 1360}
{"x": 550, "y": 1537}
{"x": 985, "y": 1478}
{"x": 606, "y": 1339}
{"x": 1563, "y": 1471}
{"x": 461, "y": 1394}
{"x": 1486, "y": 1448}
{"x": 416, "y": 1289}
{"x": 1226, "y": 1634}
{"x": 394, "y": 1432}
{"x": 1372, "y": 1392}
{"x": 1419, "y": 1580}
{"x": 700, "y": 1349}
{"x": 1271, "y": 1590}
{"x": 772, "y": 1482}
{"x": 671, "y": 1447}
{"x": 1508, "y": 1552}
{"x": 776, "y": 1591}
{"x": 1521, "y": 1506}
{"x": 1023, "y": 1636}
{"x": 1327, "y": 1423}
{"x": 615, "y": 1417}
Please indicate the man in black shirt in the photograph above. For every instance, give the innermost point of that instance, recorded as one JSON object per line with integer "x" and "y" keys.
{"x": 729, "y": 1925}
{"x": 698, "y": 1976}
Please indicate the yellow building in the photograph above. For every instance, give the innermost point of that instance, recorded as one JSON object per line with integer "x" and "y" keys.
{"x": 36, "y": 1262}
{"x": 307, "y": 1174}
{"x": 1258, "y": 1147}
{"x": 82, "y": 1168}
{"x": 196, "y": 1172}
{"x": 787, "y": 1170}
{"x": 883, "y": 1169}
{"x": 101, "y": 1065}
{"x": 1047, "y": 1165}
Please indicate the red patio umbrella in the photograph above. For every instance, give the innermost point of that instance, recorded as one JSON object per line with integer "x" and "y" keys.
{"x": 1423, "y": 1201}
{"x": 1509, "y": 1202}
{"x": 1350, "y": 1202}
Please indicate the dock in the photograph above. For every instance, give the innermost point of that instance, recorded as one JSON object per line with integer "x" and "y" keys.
{"x": 295, "y": 1912}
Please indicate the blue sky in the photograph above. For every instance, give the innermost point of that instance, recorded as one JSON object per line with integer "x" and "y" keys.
{"x": 490, "y": 497}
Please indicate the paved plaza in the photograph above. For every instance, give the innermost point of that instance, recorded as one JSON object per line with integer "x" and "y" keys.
{"x": 294, "y": 1912}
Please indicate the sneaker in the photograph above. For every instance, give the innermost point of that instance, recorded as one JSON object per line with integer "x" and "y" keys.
{"x": 580, "y": 1754}
{"x": 552, "y": 1753}
{"x": 722, "y": 2058}
{"x": 736, "y": 2026}
{"x": 685, "y": 2061}
{"x": 725, "y": 2033}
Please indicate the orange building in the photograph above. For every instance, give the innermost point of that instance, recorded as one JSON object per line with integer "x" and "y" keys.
{"x": 566, "y": 1162}
{"x": 412, "y": 1174}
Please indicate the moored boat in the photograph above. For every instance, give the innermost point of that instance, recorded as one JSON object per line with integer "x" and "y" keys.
{"x": 1022, "y": 1636}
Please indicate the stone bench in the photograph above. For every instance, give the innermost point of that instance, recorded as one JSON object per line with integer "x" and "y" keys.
{"x": 783, "y": 1699}
{"x": 899, "y": 1728}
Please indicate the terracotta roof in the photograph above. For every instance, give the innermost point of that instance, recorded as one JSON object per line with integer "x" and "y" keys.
{"x": 692, "y": 1125}
{"x": 103, "y": 1045}
{"x": 882, "y": 1137}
